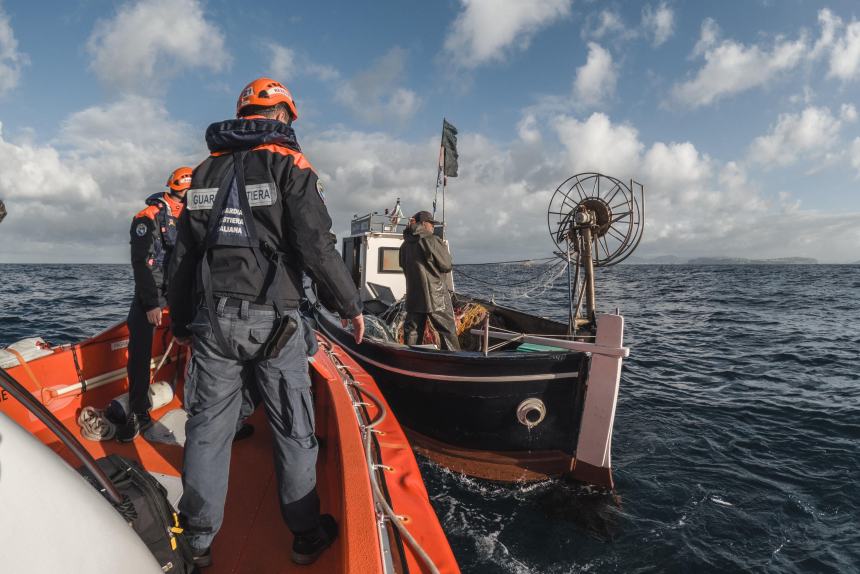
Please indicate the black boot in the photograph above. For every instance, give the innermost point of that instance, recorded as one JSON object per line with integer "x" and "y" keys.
{"x": 134, "y": 425}
{"x": 202, "y": 558}
{"x": 307, "y": 546}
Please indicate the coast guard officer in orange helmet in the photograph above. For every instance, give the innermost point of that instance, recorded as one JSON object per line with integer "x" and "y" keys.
{"x": 255, "y": 220}
{"x": 153, "y": 235}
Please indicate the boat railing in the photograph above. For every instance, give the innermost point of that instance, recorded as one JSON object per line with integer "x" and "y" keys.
{"x": 560, "y": 341}
{"x": 378, "y": 223}
{"x": 356, "y": 391}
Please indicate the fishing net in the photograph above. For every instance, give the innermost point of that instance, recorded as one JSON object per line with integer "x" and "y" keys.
{"x": 496, "y": 279}
{"x": 376, "y": 328}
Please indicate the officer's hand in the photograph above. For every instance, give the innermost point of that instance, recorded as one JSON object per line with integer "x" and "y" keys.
{"x": 154, "y": 316}
{"x": 184, "y": 341}
{"x": 358, "y": 328}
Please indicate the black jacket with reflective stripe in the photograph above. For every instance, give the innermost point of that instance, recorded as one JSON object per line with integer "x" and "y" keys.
{"x": 153, "y": 233}
{"x": 289, "y": 216}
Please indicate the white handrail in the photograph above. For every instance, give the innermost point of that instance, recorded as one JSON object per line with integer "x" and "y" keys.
{"x": 101, "y": 380}
{"x": 580, "y": 346}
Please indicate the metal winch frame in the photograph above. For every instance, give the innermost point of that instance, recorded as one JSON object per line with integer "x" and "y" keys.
{"x": 595, "y": 220}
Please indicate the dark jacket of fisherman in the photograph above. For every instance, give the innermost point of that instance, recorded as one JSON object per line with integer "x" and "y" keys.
{"x": 425, "y": 261}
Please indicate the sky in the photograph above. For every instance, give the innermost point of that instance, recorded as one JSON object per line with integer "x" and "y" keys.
{"x": 740, "y": 117}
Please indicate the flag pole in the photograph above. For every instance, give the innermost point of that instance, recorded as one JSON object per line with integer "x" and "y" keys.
{"x": 444, "y": 185}
{"x": 439, "y": 169}
{"x": 442, "y": 173}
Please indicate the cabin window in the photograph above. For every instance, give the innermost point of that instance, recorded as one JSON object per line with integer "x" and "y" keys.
{"x": 389, "y": 260}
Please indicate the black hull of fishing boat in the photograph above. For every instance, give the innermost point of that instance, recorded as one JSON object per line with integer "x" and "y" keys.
{"x": 461, "y": 409}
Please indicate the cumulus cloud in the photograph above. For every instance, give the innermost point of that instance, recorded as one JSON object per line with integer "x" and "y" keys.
{"x": 148, "y": 41}
{"x": 286, "y": 63}
{"x": 839, "y": 45}
{"x": 845, "y": 55}
{"x": 596, "y": 144}
{"x": 811, "y": 134}
{"x": 830, "y": 25}
{"x": 854, "y": 155}
{"x": 658, "y": 23}
{"x": 366, "y": 172}
{"x": 696, "y": 205}
{"x": 32, "y": 173}
{"x": 375, "y": 94}
{"x": 487, "y": 30}
{"x": 528, "y": 130}
{"x": 282, "y": 61}
{"x": 11, "y": 60}
{"x": 731, "y": 67}
{"x": 596, "y": 79}
{"x": 604, "y": 23}
{"x": 73, "y": 200}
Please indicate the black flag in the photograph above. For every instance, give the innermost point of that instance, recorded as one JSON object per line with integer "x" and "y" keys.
{"x": 2, "y": 210}
{"x": 449, "y": 142}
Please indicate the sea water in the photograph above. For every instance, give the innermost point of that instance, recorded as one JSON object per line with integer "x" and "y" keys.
{"x": 737, "y": 435}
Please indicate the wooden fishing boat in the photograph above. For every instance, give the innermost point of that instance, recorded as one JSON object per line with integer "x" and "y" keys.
{"x": 524, "y": 412}
{"x": 540, "y": 401}
{"x": 367, "y": 475}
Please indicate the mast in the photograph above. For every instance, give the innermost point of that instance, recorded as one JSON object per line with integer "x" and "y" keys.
{"x": 440, "y": 167}
{"x": 447, "y": 164}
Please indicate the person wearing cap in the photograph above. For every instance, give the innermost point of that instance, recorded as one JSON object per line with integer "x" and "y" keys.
{"x": 153, "y": 235}
{"x": 255, "y": 219}
{"x": 425, "y": 261}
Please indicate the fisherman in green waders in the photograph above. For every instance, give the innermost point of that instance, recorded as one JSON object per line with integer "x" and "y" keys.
{"x": 425, "y": 261}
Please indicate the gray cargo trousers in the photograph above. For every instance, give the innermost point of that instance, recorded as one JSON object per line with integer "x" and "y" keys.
{"x": 214, "y": 398}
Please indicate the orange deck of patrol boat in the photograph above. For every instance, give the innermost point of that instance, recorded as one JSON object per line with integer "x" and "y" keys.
{"x": 254, "y": 539}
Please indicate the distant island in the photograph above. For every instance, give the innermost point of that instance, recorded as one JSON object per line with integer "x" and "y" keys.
{"x": 675, "y": 260}
{"x": 744, "y": 261}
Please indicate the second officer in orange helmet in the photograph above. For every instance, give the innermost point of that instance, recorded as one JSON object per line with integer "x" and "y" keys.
{"x": 153, "y": 235}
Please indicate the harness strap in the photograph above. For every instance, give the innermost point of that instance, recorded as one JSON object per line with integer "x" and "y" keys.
{"x": 272, "y": 271}
{"x": 205, "y": 271}
{"x": 272, "y": 275}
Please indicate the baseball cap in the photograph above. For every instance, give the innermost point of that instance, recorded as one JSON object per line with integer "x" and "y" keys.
{"x": 424, "y": 217}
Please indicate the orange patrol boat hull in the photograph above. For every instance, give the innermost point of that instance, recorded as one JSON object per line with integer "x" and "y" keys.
{"x": 254, "y": 539}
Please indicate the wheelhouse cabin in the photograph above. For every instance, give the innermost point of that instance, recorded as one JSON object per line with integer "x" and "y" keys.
{"x": 372, "y": 255}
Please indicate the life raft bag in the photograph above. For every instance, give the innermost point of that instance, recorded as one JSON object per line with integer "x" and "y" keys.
{"x": 146, "y": 508}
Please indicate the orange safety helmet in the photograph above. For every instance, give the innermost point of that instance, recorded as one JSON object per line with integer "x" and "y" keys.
{"x": 266, "y": 92}
{"x": 180, "y": 179}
